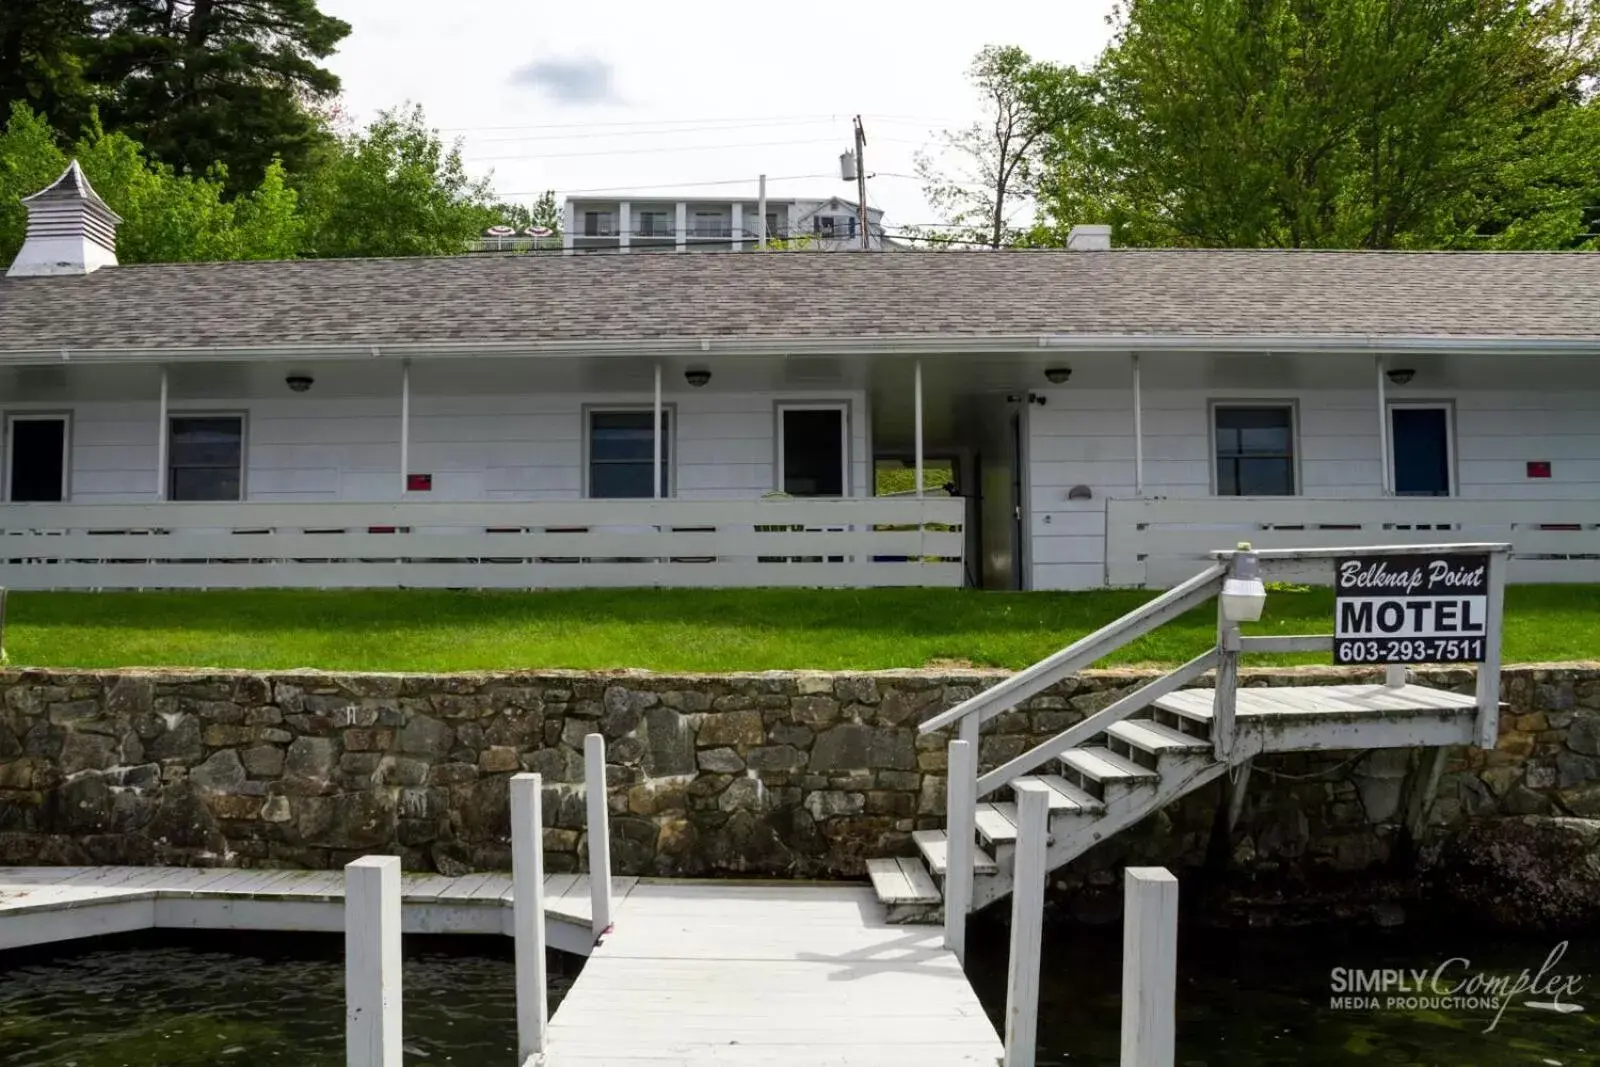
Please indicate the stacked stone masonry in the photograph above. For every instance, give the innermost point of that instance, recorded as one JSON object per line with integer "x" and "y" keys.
{"x": 785, "y": 774}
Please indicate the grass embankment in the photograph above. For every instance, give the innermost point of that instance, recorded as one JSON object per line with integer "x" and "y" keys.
{"x": 674, "y": 630}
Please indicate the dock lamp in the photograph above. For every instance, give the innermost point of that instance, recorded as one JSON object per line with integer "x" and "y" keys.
{"x": 1243, "y": 596}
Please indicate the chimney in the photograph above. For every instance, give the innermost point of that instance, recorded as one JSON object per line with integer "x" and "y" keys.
{"x": 70, "y": 230}
{"x": 1089, "y": 239}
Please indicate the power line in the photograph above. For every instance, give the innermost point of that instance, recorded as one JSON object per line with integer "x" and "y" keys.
{"x": 590, "y": 134}
{"x": 676, "y": 185}
{"x": 899, "y": 120}
{"x": 645, "y": 151}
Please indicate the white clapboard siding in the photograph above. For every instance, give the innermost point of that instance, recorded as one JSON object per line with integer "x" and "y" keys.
{"x": 1157, "y": 543}
{"x": 706, "y": 543}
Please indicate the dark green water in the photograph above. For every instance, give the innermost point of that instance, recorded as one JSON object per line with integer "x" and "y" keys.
{"x": 1245, "y": 1000}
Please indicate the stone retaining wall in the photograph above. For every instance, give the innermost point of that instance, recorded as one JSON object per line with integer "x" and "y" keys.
{"x": 796, "y": 774}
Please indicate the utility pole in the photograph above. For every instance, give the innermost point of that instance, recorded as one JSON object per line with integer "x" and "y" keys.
{"x": 861, "y": 183}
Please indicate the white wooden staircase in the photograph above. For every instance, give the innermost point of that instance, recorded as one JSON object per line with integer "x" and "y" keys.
{"x": 1163, "y": 741}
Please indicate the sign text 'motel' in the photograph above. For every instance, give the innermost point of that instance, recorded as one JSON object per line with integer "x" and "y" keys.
{"x": 1411, "y": 609}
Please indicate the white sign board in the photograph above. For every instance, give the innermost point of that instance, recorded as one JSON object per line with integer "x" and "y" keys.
{"x": 1411, "y": 609}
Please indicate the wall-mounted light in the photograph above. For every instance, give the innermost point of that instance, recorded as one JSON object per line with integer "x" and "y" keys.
{"x": 298, "y": 382}
{"x": 1401, "y": 375}
{"x": 697, "y": 376}
{"x": 1057, "y": 375}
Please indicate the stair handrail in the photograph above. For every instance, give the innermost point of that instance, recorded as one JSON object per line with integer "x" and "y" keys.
{"x": 1097, "y": 723}
{"x": 1084, "y": 651}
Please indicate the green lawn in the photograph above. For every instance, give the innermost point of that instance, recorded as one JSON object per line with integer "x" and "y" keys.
{"x": 672, "y": 630}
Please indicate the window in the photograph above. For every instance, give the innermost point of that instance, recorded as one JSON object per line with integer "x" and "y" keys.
{"x": 622, "y": 454}
{"x": 205, "y": 458}
{"x": 823, "y": 224}
{"x": 654, "y": 224}
{"x": 710, "y": 224}
{"x": 1255, "y": 450}
{"x": 772, "y": 224}
{"x": 1419, "y": 454}
{"x": 37, "y": 446}
{"x": 599, "y": 224}
{"x": 811, "y": 455}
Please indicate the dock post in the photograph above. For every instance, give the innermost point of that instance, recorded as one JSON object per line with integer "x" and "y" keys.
{"x": 960, "y": 811}
{"x": 1027, "y": 922}
{"x": 1149, "y": 967}
{"x": 527, "y": 912}
{"x": 372, "y": 962}
{"x": 1488, "y": 687}
{"x": 594, "y": 778}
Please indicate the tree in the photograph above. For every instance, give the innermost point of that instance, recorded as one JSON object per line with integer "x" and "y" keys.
{"x": 1334, "y": 123}
{"x": 166, "y": 217}
{"x": 43, "y": 44}
{"x": 995, "y": 159}
{"x": 394, "y": 189}
{"x": 201, "y": 82}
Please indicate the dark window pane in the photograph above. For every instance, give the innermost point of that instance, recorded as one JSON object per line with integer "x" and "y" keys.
{"x": 204, "y": 483}
{"x": 813, "y": 452}
{"x": 622, "y": 453}
{"x": 1266, "y": 477}
{"x": 37, "y": 471}
{"x": 205, "y": 458}
{"x": 1255, "y": 451}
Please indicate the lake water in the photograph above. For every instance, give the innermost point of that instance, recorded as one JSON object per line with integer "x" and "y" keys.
{"x": 1245, "y": 1000}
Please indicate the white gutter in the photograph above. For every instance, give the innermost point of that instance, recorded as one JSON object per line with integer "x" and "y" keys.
{"x": 900, "y": 344}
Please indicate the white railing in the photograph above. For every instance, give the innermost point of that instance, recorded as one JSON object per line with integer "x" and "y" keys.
{"x": 616, "y": 543}
{"x": 1157, "y": 543}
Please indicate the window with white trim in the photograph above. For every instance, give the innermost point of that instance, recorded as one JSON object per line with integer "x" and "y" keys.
{"x": 1254, "y": 446}
{"x": 205, "y": 457}
{"x": 813, "y": 457}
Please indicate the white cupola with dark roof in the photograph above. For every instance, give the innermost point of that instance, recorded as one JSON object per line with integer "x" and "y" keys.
{"x": 70, "y": 230}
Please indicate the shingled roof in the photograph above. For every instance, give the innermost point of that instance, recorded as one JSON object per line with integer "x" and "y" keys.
{"x": 811, "y": 297}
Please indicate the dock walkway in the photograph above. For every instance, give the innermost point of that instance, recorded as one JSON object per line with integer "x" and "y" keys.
{"x": 702, "y": 973}
{"x": 727, "y": 975}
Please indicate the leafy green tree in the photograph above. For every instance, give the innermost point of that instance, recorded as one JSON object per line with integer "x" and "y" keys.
{"x": 43, "y": 49}
{"x": 547, "y": 213}
{"x": 984, "y": 170}
{"x": 394, "y": 189}
{"x": 203, "y": 82}
{"x": 166, "y": 217}
{"x": 1335, "y": 123}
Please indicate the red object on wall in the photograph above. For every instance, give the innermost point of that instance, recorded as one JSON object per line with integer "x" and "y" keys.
{"x": 419, "y": 483}
{"x": 1538, "y": 468}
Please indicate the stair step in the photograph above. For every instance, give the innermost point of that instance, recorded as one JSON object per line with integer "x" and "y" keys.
{"x": 1103, "y": 765}
{"x": 935, "y": 846}
{"x": 1153, "y": 737}
{"x": 902, "y": 881}
{"x": 1064, "y": 796}
{"x": 997, "y": 823}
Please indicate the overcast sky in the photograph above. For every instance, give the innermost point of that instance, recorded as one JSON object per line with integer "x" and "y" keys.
{"x": 638, "y": 94}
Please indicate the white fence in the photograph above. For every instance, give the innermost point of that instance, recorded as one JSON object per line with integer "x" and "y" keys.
{"x": 1158, "y": 543}
{"x": 616, "y": 543}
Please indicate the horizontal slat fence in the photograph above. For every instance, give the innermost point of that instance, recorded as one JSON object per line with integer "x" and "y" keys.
{"x": 1156, "y": 543}
{"x": 868, "y": 542}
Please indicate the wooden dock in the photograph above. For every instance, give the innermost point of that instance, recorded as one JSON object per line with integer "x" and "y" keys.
{"x": 709, "y": 974}
{"x": 783, "y": 975}
{"x": 63, "y": 903}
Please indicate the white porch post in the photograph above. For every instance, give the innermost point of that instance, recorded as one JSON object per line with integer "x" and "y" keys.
{"x": 736, "y": 226}
{"x": 624, "y": 224}
{"x": 1385, "y": 475}
{"x": 161, "y": 441}
{"x": 681, "y": 225}
{"x": 405, "y": 427}
{"x": 655, "y": 481}
{"x": 570, "y": 230}
{"x": 917, "y": 390}
{"x": 1138, "y": 429}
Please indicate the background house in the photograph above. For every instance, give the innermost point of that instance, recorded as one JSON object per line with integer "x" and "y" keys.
{"x": 1104, "y": 416}
{"x": 675, "y": 223}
